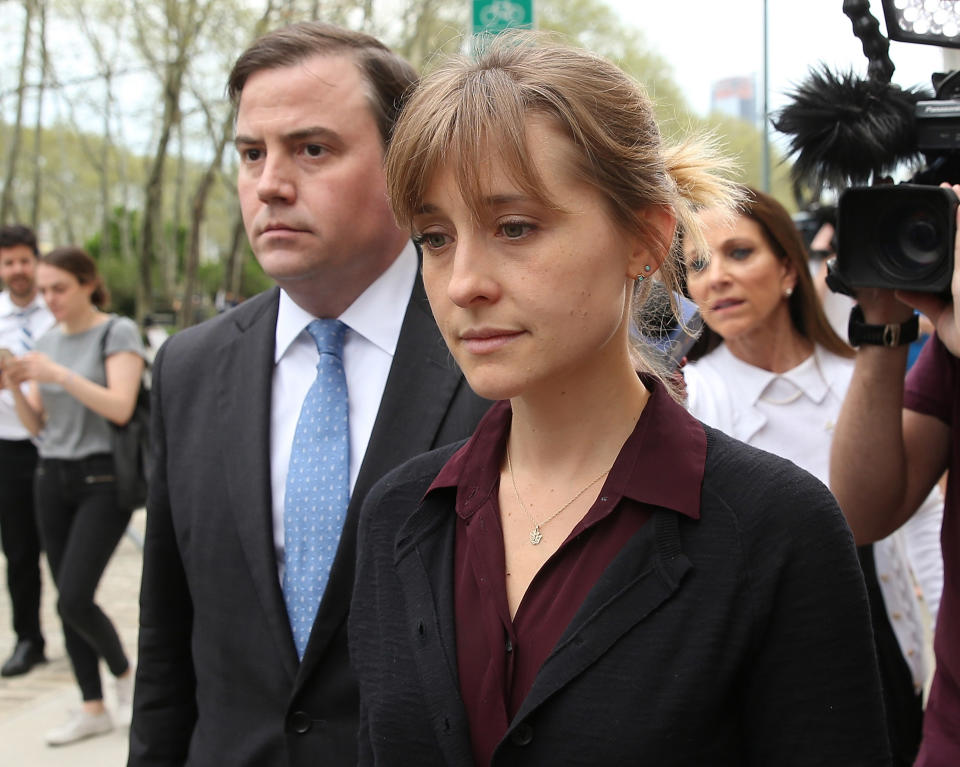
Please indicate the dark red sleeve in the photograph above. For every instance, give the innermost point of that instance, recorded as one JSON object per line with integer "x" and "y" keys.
{"x": 931, "y": 386}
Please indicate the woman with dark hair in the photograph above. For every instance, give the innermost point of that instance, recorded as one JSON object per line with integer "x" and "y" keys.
{"x": 84, "y": 372}
{"x": 775, "y": 377}
{"x": 594, "y": 577}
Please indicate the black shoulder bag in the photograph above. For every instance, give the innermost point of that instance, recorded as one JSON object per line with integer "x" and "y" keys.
{"x": 130, "y": 443}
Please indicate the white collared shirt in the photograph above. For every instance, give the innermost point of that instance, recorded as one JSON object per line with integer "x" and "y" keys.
{"x": 747, "y": 402}
{"x": 373, "y": 323}
{"x": 38, "y": 320}
{"x": 793, "y": 414}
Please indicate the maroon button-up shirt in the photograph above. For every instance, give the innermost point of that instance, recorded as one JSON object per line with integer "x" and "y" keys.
{"x": 660, "y": 465}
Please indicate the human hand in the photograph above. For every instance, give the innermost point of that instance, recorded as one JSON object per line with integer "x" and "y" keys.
{"x": 5, "y": 354}
{"x": 883, "y": 306}
{"x": 34, "y": 366}
{"x": 943, "y": 313}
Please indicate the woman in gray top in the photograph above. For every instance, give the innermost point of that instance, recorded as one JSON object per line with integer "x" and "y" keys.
{"x": 84, "y": 371}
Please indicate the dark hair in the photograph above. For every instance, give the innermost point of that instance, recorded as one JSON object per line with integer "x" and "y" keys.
{"x": 806, "y": 310}
{"x": 17, "y": 234}
{"x": 389, "y": 75}
{"x": 78, "y": 262}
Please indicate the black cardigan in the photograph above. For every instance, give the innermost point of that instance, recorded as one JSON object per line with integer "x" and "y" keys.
{"x": 741, "y": 638}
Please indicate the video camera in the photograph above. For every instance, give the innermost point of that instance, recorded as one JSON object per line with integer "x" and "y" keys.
{"x": 848, "y": 132}
{"x": 895, "y": 236}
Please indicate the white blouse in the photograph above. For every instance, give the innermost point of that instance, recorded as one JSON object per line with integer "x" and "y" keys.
{"x": 793, "y": 415}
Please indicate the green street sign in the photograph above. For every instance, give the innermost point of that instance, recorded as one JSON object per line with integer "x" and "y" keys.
{"x": 493, "y": 16}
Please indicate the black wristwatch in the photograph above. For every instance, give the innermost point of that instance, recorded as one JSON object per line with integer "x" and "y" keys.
{"x": 892, "y": 335}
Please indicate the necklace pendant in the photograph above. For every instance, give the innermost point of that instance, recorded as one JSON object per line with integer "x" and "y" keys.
{"x": 535, "y": 535}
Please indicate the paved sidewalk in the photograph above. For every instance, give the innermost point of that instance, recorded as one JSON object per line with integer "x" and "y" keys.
{"x": 32, "y": 704}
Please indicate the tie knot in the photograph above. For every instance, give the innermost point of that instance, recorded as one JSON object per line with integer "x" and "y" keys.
{"x": 328, "y": 335}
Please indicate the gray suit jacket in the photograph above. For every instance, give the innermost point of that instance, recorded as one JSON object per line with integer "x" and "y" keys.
{"x": 218, "y": 680}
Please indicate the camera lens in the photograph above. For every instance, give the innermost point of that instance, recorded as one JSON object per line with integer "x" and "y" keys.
{"x": 919, "y": 238}
{"x": 914, "y": 244}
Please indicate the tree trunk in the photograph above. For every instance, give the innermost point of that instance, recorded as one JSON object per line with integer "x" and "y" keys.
{"x": 233, "y": 274}
{"x": 185, "y": 21}
{"x": 105, "y": 207}
{"x": 198, "y": 214}
{"x": 153, "y": 191}
{"x": 7, "y": 207}
{"x": 171, "y": 265}
{"x": 38, "y": 125}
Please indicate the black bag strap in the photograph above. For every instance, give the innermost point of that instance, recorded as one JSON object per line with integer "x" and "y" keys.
{"x": 103, "y": 339}
{"x": 103, "y": 355}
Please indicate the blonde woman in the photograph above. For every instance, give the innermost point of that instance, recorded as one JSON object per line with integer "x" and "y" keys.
{"x": 594, "y": 577}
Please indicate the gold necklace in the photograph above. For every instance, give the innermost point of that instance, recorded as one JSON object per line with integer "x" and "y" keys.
{"x": 535, "y": 535}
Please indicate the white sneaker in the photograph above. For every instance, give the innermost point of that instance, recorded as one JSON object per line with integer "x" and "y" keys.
{"x": 80, "y": 725}
{"x": 123, "y": 688}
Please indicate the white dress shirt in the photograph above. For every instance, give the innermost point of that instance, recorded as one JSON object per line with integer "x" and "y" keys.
{"x": 373, "y": 327}
{"x": 793, "y": 415}
{"x": 37, "y": 319}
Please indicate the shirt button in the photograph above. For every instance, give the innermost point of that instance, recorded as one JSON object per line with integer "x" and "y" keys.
{"x": 508, "y": 645}
{"x": 523, "y": 735}
{"x": 299, "y": 722}
{"x": 897, "y": 616}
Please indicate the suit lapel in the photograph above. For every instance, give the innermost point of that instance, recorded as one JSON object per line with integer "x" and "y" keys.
{"x": 419, "y": 389}
{"x": 245, "y": 369}
{"x": 645, "y": 574}
{"x": 421, "y": 384}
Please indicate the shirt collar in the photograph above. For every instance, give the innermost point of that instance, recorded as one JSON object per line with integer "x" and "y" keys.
{"x": 752, "y": 381}
{"x": 660, "y": 464}
{"x": 8, "y": 308}
{"x": 376, "y": 314}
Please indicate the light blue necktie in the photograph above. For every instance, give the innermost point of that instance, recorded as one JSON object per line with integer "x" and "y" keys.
{"x": 318, "y": 484}
{"x": 25, "y": 337}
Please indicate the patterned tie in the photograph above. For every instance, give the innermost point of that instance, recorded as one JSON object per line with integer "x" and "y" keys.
{"x": 318, "y": 483}
{"x": 25, "y": 336}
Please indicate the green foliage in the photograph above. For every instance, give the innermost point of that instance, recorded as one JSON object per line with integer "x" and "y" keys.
{"x": 116, "y": 260}
{"x": 743, "y": 141}
{"x": 593, "y": 25}
{"x": 177, "y": 234}
{"x": 253, "y": 279}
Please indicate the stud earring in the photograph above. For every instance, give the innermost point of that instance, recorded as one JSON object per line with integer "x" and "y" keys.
{"x": 788, "y": 292}
{"x": 646, "y": 268}
{"x": 640, "y": 278}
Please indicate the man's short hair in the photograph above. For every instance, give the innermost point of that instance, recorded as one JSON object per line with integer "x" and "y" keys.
{"x": 389, "y": 75}
{"x": 17, "y": 234}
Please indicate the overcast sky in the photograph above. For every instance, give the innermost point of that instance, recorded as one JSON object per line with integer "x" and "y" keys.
{"x": 706, "y": 40}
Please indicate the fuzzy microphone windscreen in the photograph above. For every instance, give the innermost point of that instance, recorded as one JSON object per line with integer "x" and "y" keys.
{"x": 847, "y": 130}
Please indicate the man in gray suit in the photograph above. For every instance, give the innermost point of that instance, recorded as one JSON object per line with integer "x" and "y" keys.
{"x": 220, "y": 679}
